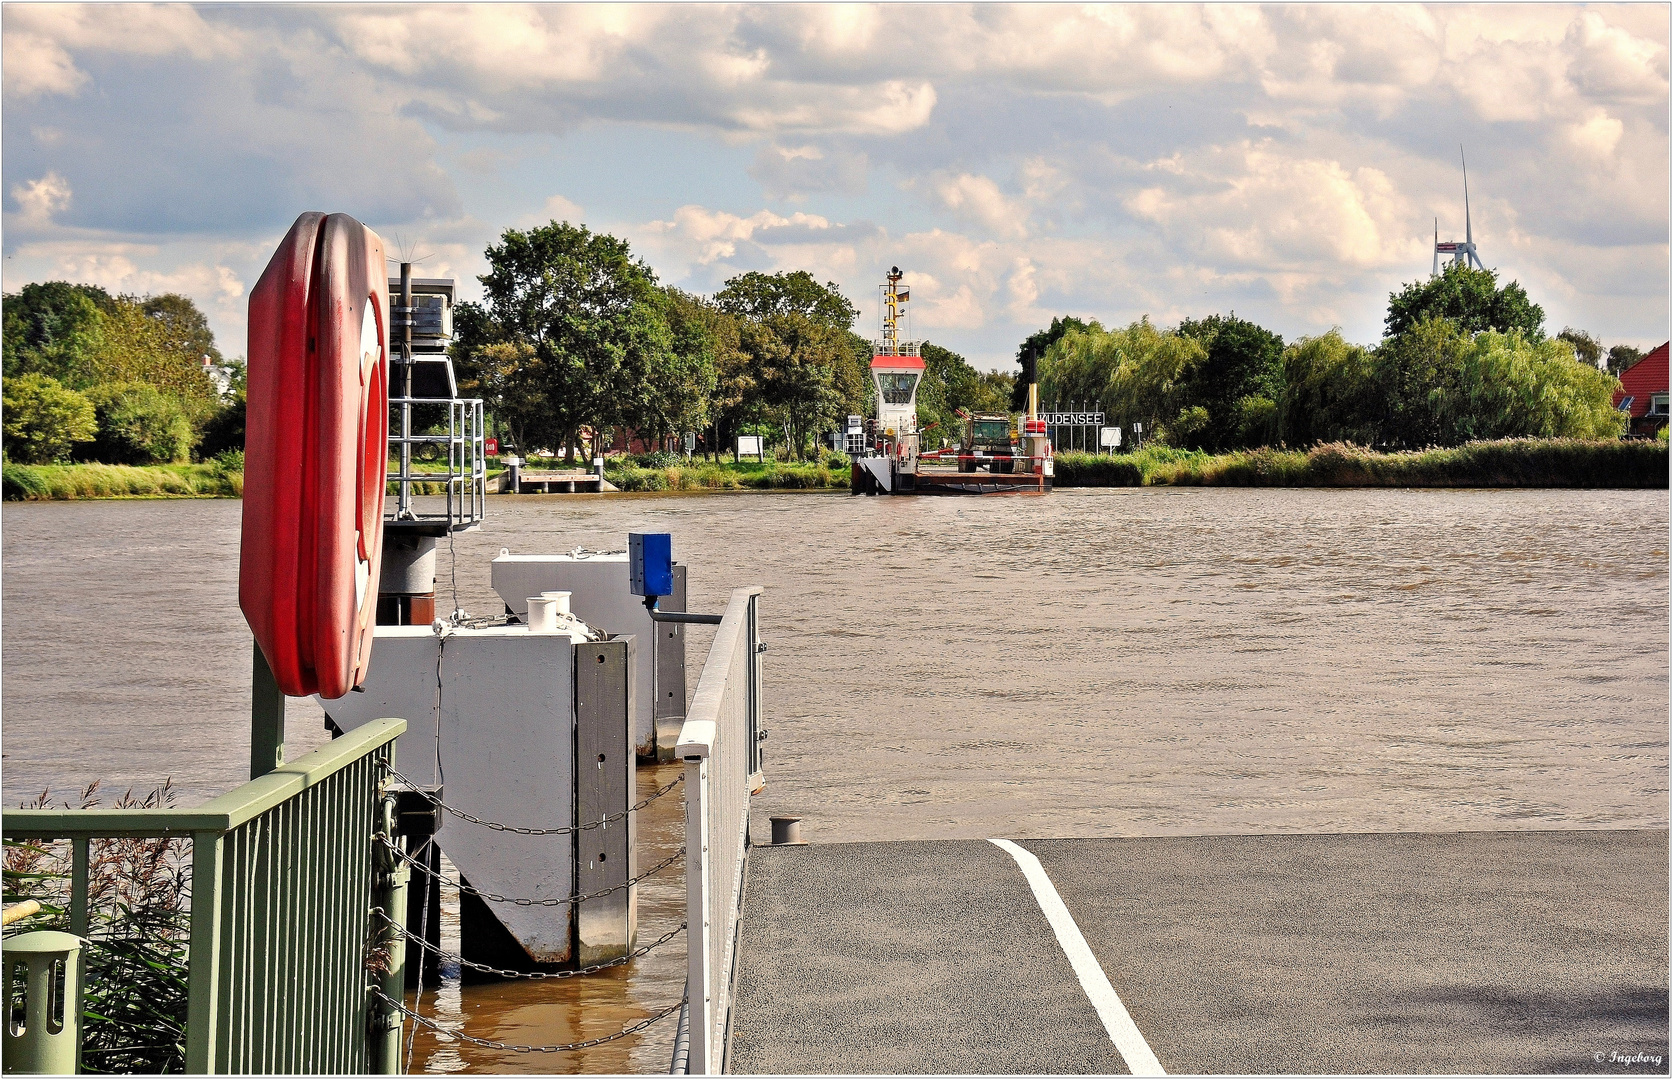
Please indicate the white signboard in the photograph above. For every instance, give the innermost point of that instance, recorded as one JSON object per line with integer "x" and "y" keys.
{"x": 749, "y": 444}
{"x": 1110, "y": 436}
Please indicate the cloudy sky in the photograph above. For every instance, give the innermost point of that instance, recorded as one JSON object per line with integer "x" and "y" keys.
{"x": 1019, "y": 162}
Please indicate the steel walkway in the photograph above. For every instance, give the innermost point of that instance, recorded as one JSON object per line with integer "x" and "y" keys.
{"x": 1522, "y": 952}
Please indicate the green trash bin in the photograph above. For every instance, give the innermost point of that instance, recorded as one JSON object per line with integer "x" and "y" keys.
{"x": 43, "y": 1003}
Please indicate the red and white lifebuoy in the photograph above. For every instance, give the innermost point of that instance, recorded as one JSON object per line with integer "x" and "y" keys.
{"x": 316, "y": 454}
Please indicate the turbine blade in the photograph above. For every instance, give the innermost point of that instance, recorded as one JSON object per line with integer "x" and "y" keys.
{"x": 1469, "y": 237}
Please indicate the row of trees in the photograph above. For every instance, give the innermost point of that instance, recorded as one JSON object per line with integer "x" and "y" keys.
{"x": 575, "y": 335}
{"x": 1462, "y": 358}
{"x": 117, "y": 379}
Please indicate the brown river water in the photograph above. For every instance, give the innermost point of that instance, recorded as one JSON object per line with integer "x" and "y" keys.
{"x": 1094, "y": 663}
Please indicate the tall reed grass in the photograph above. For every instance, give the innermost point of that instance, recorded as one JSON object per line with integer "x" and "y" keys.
{"x": 139, "y": 903}
{"x": 1565, "y": 463}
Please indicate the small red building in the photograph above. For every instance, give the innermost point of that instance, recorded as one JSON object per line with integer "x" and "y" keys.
{"x": 1643, "y": 393}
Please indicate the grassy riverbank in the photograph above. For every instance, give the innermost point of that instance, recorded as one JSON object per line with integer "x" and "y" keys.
{"x": 731, "y": 476}
{"x": 1566, "y": 463}
{"x": 208, "y": 480}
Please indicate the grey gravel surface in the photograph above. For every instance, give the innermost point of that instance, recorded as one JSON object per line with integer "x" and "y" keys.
{"x": 1522, "y": 952}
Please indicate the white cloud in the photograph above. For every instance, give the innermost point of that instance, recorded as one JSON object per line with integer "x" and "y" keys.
{"x": 1104, "y": 160}
{"x": 978, "y": 199}
{"x": 1263, "y": 209}
{"x": 38, "y": 200}
{"x": 710, "y": 235}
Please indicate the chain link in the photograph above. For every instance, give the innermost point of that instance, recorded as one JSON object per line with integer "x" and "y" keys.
{"x": 521, "y": 1048}
{"x": 525, "y": 901}
{"x": 565, "y": 830}
{"x": 510, "y": 973}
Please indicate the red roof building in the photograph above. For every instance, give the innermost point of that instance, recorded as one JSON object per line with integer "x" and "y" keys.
{"x": 1643, "y": 393}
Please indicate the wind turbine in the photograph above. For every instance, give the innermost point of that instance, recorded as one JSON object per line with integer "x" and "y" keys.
{"x": 1464, "y": 253}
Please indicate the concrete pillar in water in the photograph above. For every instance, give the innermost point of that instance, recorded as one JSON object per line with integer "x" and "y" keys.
{"x": 407, "y": 583}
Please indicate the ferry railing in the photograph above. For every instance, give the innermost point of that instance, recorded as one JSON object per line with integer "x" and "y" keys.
{"x": 719, "y": 744}
{"x": 465, "y": 480}
{"x": 281, "y": 952}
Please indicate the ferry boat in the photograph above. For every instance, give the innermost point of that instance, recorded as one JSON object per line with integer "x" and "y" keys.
{"x": 887, "y": 455}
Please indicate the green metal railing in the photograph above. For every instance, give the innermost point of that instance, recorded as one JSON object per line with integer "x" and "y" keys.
{"x": 282, "y": 949}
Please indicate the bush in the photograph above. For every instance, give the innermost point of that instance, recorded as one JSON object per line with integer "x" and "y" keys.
{"x": 138, "y": 425}
{"x": 44, "y": 419}
{"x": 1096, "y": 470}
{"x": 224, "y": 431}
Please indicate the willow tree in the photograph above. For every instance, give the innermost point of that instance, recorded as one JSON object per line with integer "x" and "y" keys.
{"x": 1135, "y": 372}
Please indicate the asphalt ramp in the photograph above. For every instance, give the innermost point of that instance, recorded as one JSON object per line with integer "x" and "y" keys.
{"x": 1488, "y": 953}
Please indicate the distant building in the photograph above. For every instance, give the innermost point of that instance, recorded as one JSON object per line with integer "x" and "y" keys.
{"x": 1643, "y": 393}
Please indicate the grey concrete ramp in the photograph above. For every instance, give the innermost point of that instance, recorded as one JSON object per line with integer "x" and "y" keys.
{"x": 912, "y": 957}
{"x": 1526, "y": 952}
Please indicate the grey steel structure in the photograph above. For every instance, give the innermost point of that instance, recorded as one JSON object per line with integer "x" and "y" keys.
{"x": 421, "y": 319}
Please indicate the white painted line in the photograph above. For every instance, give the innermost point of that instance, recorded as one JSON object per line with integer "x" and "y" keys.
{"x": 1141, "y": 1061}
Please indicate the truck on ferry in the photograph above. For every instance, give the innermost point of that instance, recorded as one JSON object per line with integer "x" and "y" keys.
{"x": 889, "y": 458}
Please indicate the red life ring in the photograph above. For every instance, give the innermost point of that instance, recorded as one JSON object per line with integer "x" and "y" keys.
{"x": 316, "y": 454}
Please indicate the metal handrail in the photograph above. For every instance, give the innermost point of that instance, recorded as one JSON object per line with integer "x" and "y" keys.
{"x": 719, "y": 744}
{"x": 283, "y": 884}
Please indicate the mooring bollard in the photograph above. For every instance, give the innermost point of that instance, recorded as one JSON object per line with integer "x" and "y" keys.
{"x": 787, "y": 831}
{"x": 49, "y": 1038}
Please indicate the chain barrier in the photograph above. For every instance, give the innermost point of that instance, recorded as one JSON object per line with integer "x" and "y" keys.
{"x": 563, "y": 830}
{"x": 510, "y": 973}
{"x": 521, "y": 901}
{"x": 521, "y": 1048}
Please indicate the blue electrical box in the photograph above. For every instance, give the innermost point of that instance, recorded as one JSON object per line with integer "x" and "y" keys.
{"x": 650, "y": 564}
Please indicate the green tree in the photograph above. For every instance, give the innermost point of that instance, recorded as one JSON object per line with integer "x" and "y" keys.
{"x": 591, "y": 316}
{"x": 793, "y": 360}
{"x": 137, "y": 347}
{"x": 675, "y": 398}
{"x": 53, "y": 328}
{"x": 44, "y": 419}
{"x": 1238, "y": 380}
{"x": 1469, "y": 297}
{"x": 1032, "y": 351}
{"x": 760, "y": 296}
{"x": 1331, "y": 393}
{"x": 1419, "y": 370}
{"x": 138, "y": 425}
{"x": 1587, "y": 349}
{"x": 185, "y": 329}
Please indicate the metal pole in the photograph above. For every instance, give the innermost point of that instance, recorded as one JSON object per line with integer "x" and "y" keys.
{"x": 267, "y": 718}
{"x": 392, "y": 879}
{"x": 403, "y": 503}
